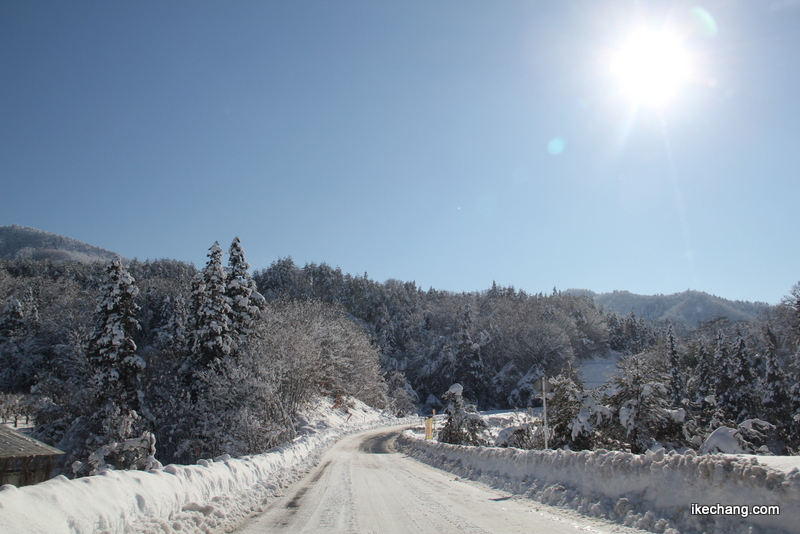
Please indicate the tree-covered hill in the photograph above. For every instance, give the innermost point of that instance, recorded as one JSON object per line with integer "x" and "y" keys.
{"x": 688, "y": 307}
{"x": 24, "y": 242}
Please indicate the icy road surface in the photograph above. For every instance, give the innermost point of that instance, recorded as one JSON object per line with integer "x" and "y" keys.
{"x": 362, "y": 485}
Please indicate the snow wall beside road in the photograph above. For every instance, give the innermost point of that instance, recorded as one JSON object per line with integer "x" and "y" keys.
{"x": 213, "y": 495}
{"x": 653, "y": 491}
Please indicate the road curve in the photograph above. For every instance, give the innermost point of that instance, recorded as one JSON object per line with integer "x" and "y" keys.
{"x": 363, "y": 485}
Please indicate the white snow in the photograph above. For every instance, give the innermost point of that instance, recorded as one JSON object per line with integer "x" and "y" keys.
{"x": 722, "y": 440}
{"x": 597, "y": 372}
{"x": 210, "y": 496}
{"x": 653, "y": 491}
{"x": 456, "y": 389}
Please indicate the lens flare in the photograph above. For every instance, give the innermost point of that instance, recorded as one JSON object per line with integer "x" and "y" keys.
{"x": 556, "y": 146}
{"x": 704, "y": 21}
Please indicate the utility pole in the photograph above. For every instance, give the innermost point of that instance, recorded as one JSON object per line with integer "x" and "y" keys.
{"x": 541, "y": 385}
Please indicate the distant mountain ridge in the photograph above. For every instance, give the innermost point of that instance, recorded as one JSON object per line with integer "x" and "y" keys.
{"x": 24, "y": 242}
{"x": 690, "y": 307}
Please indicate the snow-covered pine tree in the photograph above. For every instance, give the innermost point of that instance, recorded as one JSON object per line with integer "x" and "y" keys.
{"x": 173, "y": 334}
{"x": 704, "y": 381}
{"x": 792, "y": 302}
{"x": 246, "y": 303}
{"x": 700, "y": 390}
{"x": 120, "y": 438}
{"x": 741, "y": 401}
{"x": 112, "y": 350}
{"x": 634, "y": 334}
{"x": 402, "y": 397}
{"x": 30, "y": 308}
{"x": 794, "y": 391}
{"x": 212, "y": 340}
{"x": 469, "y": 369}
{"x": 616, "y": 332}
{"x": 589, "y": 425}
{"x": 12, "y": 332}
{"x": 641, "y": 402}
{"x": 676, "y": 379}
{"x": 463, "y": 425}
{"x": 776, "y": 397}
{"x": 280, "y": 280}
{"x": 723, "y": 384}
{"x": 564, "y": 401}
{"x": 12, "y": 320}
{"x": 385, "y": 336}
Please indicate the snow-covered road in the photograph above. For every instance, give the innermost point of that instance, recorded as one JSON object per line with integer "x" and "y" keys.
{"x": 364, "y": 485}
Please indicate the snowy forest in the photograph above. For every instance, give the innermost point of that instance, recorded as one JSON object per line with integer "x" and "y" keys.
{"x": 128, "y": 364}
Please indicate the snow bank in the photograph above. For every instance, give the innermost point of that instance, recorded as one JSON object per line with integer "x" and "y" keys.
{"x": 722, "y": 440}
{"x": 210, "y": 496}
{"x": 653, "y": 491}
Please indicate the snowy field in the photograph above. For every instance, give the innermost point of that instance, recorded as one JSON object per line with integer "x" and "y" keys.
{"x": 598, "y": 372}
{"x": 212, "y": 496}
{"x": 654, "y": 491}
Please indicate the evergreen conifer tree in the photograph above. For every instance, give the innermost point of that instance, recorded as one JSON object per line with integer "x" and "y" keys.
{"x": 173, "y": 334}
{"x": 704, "y": 380}
{"x": 723, "y": 382}
{"x": 118, "y": 435}
{"x": 741, "y": 403}
{"x": 641, "y": 402}
{"x": 676, "y": 380}
{"x": 12, "y": 321}
{"x": 112, "y": 353}
{"x": 463, "y": 425}
{"x": 30, "y": 308}
{"x": 564, "y": 402}
{"x": 12, "y": 328}
{"x": 212, "y": 340}
{"x": 794, "y": 391}
{"x": 776, "y": 397}
{"x": 469, "y": 368}
{"x": 246, "y": 302}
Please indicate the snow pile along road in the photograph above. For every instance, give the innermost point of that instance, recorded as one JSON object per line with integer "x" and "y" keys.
{"x": 210, "y": 496}
{"x": 653, "y": 491}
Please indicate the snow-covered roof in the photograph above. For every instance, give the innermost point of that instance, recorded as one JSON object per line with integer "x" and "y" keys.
{"x": 16, "y": 445}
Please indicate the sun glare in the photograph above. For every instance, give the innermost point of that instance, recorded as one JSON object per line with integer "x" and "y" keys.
{"x": 651, "y": 66}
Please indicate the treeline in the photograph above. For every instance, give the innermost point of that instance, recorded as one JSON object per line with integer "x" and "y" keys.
{"x": 742, "y": 376}
{"x": 122, "y": 365}
{"x": 495, "y": 343}
{"x": 675, "y": 384}
{"x": 220, "y": 360}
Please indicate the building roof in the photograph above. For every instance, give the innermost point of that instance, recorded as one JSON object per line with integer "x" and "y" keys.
{"x": 16, "y": 445}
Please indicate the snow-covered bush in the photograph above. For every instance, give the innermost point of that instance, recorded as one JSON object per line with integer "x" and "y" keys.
{"x": 463, "y": 425}
{"x": 563, "y": 404}
{"x": 641, "y": 401}
{"x": 588, "y": 424}
{"x": 752, "y": 436}
{"x": 576, "y": 419}
{"x": 526, "y": 436}
{"x": 725, "y": 440}
{"x": 402, "y": 397}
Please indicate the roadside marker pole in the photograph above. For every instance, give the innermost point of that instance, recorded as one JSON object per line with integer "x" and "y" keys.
{"x": 544, "y": 409}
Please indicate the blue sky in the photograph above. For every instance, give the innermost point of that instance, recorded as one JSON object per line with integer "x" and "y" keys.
{"x": 450, "y": 143}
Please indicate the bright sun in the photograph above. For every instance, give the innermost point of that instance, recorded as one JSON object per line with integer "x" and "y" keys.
{"x": 651, "y": 66}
